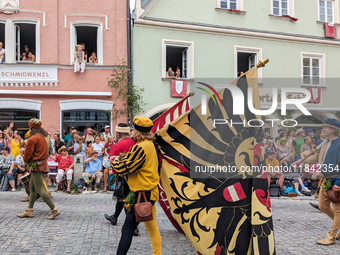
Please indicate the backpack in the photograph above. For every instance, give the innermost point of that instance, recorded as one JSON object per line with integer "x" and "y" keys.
{"x": 275, "y": 190}
{"x": 4, "y": 184}
{"x": 110, "y": 187}
{"x": 80, "y": 183}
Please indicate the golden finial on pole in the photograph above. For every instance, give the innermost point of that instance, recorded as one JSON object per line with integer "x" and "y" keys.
{"x": 262, "y": 63}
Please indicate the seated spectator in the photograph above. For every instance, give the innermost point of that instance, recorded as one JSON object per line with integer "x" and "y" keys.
{"x": 98, "y": 147}
{"x": 79, "y": 59}
{"x": 170, "y": 74}
{"x": 93, "y": 58}
{"x": 2, "y": 140}
{"x": 295, "y": 177}
{"x": 85, "y": 51}
{"x": 89, "y": 149}
{"x": 93, "y": 171}
{"x": 24, "y": 54}
{"x": 282, "y": 149}
{"x": 53, "y": 169}
{"x": 102, "y": 139}
{"x": 2, "y": 53}
{"x": 20, "y": 167}
{"x": 7, "y": 163}
{"x": 108, "y": 171}
{"x": 109, "y": 142}
{"x": 270, "y": 146}
{"x": 80, "y": 147}
{"x": 29, "y": 57}
{"x": 273, "y": 169}
{"x": 281, "y": 135}
{"x": 307, "y": 146}
{"x": 178, "y": 73}
{"x": 65, "y": 164}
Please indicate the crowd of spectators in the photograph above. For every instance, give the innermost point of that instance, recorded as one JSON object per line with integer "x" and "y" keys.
{"x": 284, "y": 151}
{"x": 91, "y": 145}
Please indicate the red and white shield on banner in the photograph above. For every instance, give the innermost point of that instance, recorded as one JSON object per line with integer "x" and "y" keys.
{"x": 178, "y": 88}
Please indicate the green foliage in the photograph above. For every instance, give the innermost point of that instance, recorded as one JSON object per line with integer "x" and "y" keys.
{"x": 130, "y": 200}
{"x": 75, "y": 190}
{"x": 337, "y": 115}
{"x": 326, "y": 185}
{"x": 31, "y": 165}
{"x": 289, "y": 115}
{"x": 130, "y": 95}
{"x": 90, "y": 181}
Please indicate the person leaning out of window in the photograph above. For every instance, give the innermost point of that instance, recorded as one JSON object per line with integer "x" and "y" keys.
{"x": 30, "y": 57}
{"x": 140, "y": 164}
{"x": 79, "y": 59}
{"x": 178, "y": 73}
{"x": 2, "y": 53}
{"x": 93, "y": 58}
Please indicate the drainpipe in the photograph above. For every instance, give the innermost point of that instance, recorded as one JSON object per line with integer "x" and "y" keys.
{"x": 130, "y": 44}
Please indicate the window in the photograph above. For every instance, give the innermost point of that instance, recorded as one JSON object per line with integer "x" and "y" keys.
{"x": 2, "y": 34}
{"x": 90, "y": 35}
{"x": 311, "y": 70}
{"x": 229, "y": 4}
{"x": 280, "y": 7}
{"x": 84, "y": 119}
{"x": 326, "y": 10}
{"x": 19, "y": 117}
{"x": 22, "y": 31}
{"x": 178, "y": 54}
{"x": 245, "y": 59}
{"x": 25, "y": 35}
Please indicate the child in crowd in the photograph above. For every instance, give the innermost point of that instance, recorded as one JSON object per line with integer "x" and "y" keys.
{"x": 89, "y": 149}
{"x": 273, "y": 168}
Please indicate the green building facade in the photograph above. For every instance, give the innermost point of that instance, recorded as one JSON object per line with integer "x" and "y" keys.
{"x": 221, "y": 39}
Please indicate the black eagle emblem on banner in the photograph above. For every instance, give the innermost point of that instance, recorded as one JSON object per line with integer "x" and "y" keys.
{"x": 229, "y": 213}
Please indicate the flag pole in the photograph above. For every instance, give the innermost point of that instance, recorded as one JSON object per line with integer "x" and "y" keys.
{"x": 262, "y": 63}
{"x": 175, "y": 105}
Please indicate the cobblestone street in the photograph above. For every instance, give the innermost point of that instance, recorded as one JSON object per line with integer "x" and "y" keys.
{"x": 82, "y": 229}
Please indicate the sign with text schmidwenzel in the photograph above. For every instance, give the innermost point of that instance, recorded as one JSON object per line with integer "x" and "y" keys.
{"x": 28, "y": 74}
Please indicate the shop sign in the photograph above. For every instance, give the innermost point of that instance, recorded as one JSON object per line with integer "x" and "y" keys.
{"x": 28, "y": 74}
{"x": 266, "y": 96}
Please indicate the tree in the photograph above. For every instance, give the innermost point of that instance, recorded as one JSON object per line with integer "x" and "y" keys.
{"x": 288, "y": 117}
{"x": 130, "y": 95}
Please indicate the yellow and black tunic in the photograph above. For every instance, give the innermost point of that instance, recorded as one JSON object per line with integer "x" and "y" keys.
{"x": 141, "y": 166}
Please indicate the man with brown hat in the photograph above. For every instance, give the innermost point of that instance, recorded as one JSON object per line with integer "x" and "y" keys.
{"x": 328, "y": 157}
{"x": 37, "y": 152}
